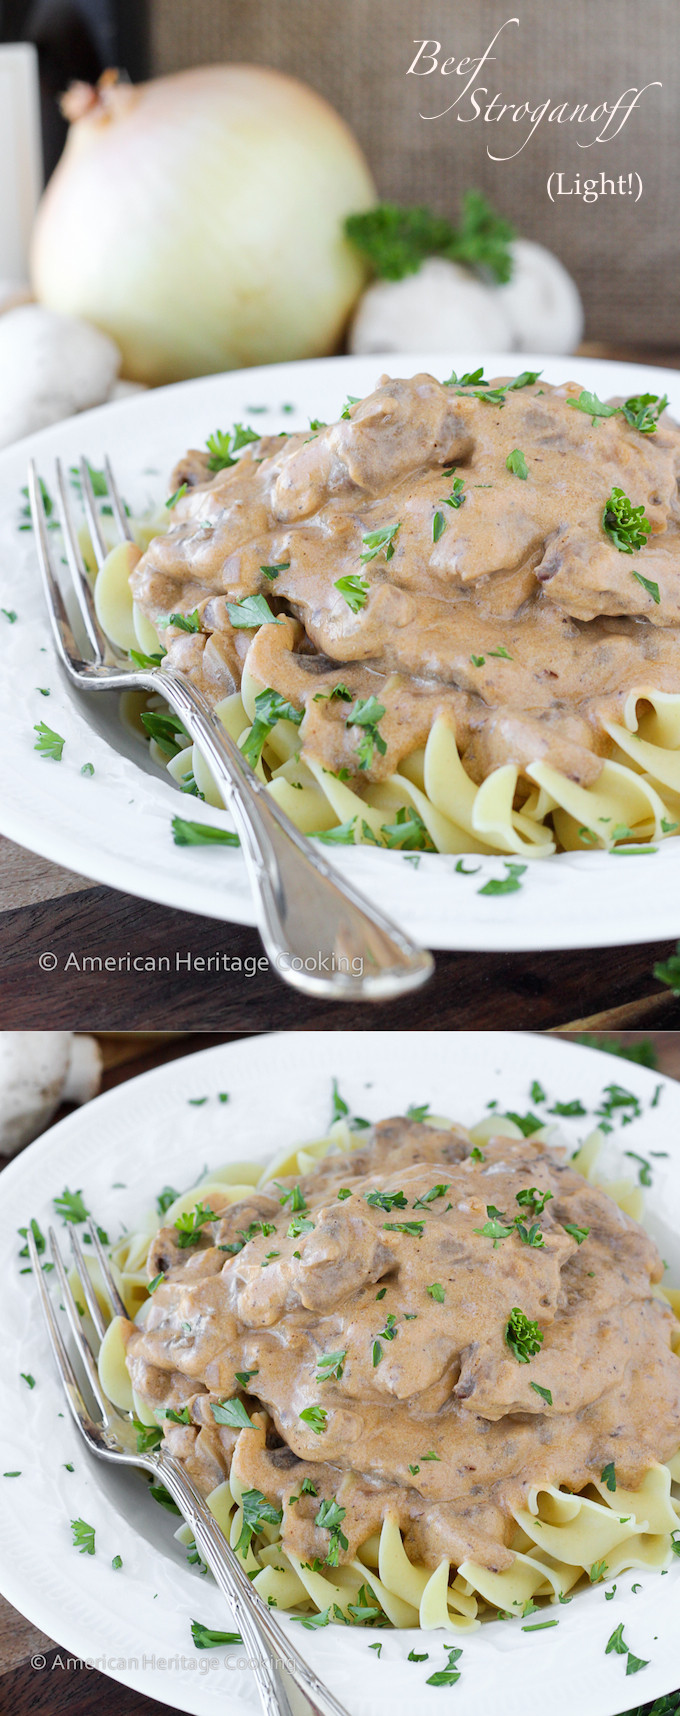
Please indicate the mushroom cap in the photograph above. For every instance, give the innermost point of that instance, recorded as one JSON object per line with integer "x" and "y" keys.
{"x": 50, "y": 367}
{"x": 541, "y": 301}
{"x": 442, "y": 307}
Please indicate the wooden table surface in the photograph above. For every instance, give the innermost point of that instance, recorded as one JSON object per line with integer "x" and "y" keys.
{"x": 47, "y": 910}
{"x": 36, "y": 1677}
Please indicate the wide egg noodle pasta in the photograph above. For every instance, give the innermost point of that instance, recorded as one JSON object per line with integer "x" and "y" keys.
{"x": 561, "y": 1537}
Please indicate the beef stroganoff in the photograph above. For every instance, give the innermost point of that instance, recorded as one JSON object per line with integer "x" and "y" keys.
{"x": 448, "y": 621}
{"x": 421, "y": 1374}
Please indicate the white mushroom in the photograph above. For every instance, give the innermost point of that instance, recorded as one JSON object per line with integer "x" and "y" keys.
{"x": 541, "y": 301}
{"x": 38, "y": 1071}
{"x": 443, "y": 306}
{"x": 50, "y": 367}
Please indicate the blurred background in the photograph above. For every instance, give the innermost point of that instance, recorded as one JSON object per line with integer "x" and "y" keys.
{"x": 624, "y": 257}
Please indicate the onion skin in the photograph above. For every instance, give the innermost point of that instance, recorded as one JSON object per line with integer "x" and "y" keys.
{"x": 197, "y": 219}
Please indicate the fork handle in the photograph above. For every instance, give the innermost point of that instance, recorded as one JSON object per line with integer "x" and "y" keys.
{"x": 319, "y": 933}
{"x": 273, "y": 1658}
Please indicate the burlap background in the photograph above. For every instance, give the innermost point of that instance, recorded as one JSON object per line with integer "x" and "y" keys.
{"x": 625, "y": 256}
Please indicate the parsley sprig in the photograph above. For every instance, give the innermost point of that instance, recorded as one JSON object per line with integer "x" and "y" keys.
{"x": 396, "y": 240}
{"x": 625, "y": 524}
{"x": 523, "y": 1336}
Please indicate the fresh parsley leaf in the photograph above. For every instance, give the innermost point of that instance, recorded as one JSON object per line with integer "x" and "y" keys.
{"x": 223, "y": 446}
{"x": 70, "y": 1206}
{"x": 231, "y": 1412}
{"x": 366, "y": 713}
{"x": 188, "y": 1225}
{"x": 272, "y": 572}
{"x": 379, "y": 542}
{"x": 387, "y": 1200}
{"x": 201, "y": 834}
{"x": 141, "y": 659}
{"x": 643, "y": 411}
{"x": 534, "y": 1200}
{"x": 528, "y": 1123}
{"x": 616, "y": 1642}
{"x": 436, "y": 1291}
{"x": 172, "y": 502}
{"x": 354, "y": 589}
{"x": 650, "y": 586}
{"x": 83, "y": 1536}
{"x": 516, "y": 463}
{"x": 396, "y": 239}
{"x": 270, "y": 707}
{"x": 510, "y": 883}
{"x": 316, "y": 1417}
{"x": 625, "y": 524}
{"x": 523, "y": 1336}
{"x": 407, "y": 833}
{"x": 183, "y": 622}
{"x": 608, "y": 1475}
{"x": 414, "y": 1228}
{"x": 252, "y": 611}
{"x": 418, "y": 1112}
{"x": 544, "y": 1392}
{"x": 48, "y": 743}
{"x": 330, "y": 1365}
{"x": 205, "y": 1638}
{"x": 592, "y": 406}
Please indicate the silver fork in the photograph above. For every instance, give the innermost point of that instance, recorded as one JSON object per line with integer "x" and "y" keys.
{"x": 110, "y": 1435}
{"x": 319, "y": 932}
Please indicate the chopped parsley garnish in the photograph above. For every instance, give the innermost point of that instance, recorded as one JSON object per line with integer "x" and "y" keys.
{"x": 379, "y": 542}
{"x": 643, "y": 411}
{"x": 48, "y": 743}
{"x": 645, "y": 1169}
{"x": 431, "y": 1456}
{"x": 625, "y": 524}
{"x": 341, "y": 691}
{"x": 523, "y": 1336}
{"x": 205, "y": 1638}
{"x": 188, "y": 1225}
{"x": 414, "y": 1228}
{"x": 407, "y": 833}
{"x": 201, "y": 834}
{"x": 516, "y": 463}
{"x": 510, "y": 883}
{"x": 592, "y": 406}
{"x": 528, "y": 1123}
{"x": 141, "y": 659}
{"x": 231, "y": 1412}
{"x": 340, "y": 1107}
{"x": 597, "y": 1571}
{"x": 256, "y": 1513}
{"x": 352, "y": 399}
{"x": 570, "y": 1110}
{"x": 163, "y": 1498}
{"x": 252, "y": 611}
{"x": 329, "y": 1518}
{"x": 83, "y": 1536}
{"x": 272, "y": 572}
{"x": 243, "y": 1377}
{"x": 477, "y": 1155}
{"x": 168, "y": 731}
{"x": 157, "y": 1280}
{"x": 495, "y": 1228}
{"x": 270, "y": 707}
{"x": 27, "y": 1378}
{"x": 183, "y": 622}
{"x": 544, "y": 1392}
{"x": 330, "y": 1365}
{"x": 10, "y": 615}
{"x": 502, "y": 653}
{"x": 533, "y": 1199}
{"x": 387, "y": 1200}
{"x": 438, "y": 1191}
{"x": 577, "y": 1233}
{"x": 436, "y": 1291}
{"x": 341, "y": 835}
{"x": 650, "y": 586}
{"x": 530, "y": 1235}
{"x": 447, "y": 1676}
{"x": 354, "y": 589}
{"x": 366, "y": 713}
{"x": 165, "y": 1199}
{"x": 172, "y": 502}
{"x": 316, "y": 1417}
{"x": 168, "y": 1413}
{"x": 222, "y": 446}
{"x": 418, "y": 1112}
{"x": 70, "y": 1206}
{"x": 438, "y": 526}
{"x": 457, "y": 496}
{"x": 324, "y": 1615}
{"x": 608, "y": 1475}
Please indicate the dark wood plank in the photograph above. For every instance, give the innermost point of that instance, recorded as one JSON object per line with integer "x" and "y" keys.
{"x": 469, "y": 991}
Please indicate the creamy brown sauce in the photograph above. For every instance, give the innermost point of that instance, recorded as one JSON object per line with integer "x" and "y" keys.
{"x": 447, "y": 1382}
{"x": 523, "y": 566}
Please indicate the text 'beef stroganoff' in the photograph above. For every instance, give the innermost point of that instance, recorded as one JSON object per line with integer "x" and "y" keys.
{"x": 417, "y": 1338}
{"x": 456, "y": 609}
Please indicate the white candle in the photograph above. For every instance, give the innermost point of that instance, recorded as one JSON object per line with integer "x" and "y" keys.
{"x": 21, "y": 157}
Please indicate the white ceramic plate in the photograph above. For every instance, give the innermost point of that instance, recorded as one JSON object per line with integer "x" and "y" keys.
{"x": 115, "y": 827}
{"x": 146, "y": 1133}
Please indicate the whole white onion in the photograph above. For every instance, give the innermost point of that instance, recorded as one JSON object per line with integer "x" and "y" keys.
{"x": 197, "y": 219}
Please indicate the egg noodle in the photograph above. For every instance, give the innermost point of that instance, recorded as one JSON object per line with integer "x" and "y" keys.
{"x": 561, "y": 1538}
